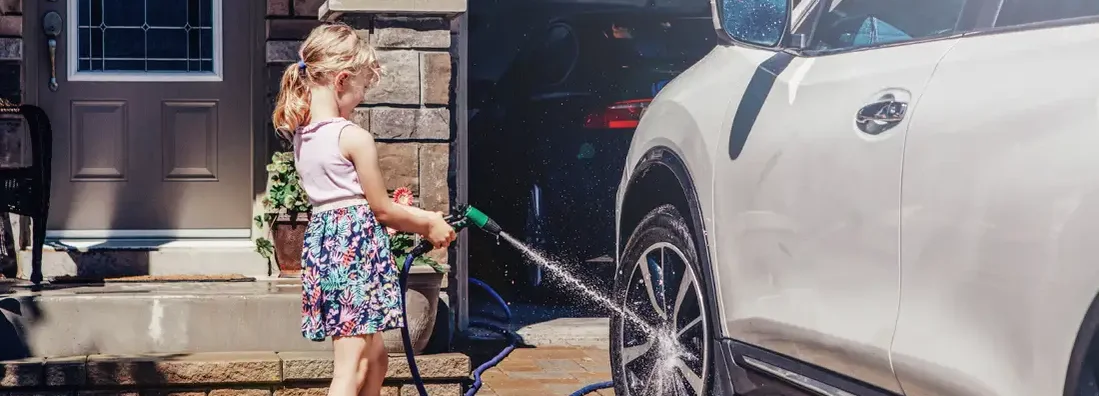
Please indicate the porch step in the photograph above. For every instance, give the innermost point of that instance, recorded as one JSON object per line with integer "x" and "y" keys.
{"x": 139, "y": 318}
{"x": 135, "y": 318}
{"x": 135, "y": 257}
{"x": 217, "y": 374}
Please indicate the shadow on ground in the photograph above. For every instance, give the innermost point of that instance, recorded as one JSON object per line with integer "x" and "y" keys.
{"x": 16, "y": 314}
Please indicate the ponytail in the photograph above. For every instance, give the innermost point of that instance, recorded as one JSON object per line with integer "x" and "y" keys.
{"x": 292, "y": 104}
{"x": 329, "y": 49}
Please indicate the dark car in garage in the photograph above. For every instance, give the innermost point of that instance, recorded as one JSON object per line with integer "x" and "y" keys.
{"x": 548, "y": 137}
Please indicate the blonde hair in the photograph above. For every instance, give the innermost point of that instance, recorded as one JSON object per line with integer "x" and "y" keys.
{"x": 328, "y": 50}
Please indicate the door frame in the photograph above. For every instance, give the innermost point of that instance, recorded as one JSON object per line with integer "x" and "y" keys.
{"x": 35, "y": 77}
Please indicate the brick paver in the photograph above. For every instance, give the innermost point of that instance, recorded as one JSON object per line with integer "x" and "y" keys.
{"x": 547, "y": 371}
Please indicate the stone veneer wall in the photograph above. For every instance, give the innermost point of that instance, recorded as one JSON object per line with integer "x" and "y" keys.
{"x": 11, "y": 79}
{"x": 409, "y": 112}
{"x": 11, "y": 131}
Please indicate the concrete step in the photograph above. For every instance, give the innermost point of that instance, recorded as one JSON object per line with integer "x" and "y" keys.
{"x": 133, "y": 257}
{"x": 126, "y": 319}
{"x": 216, "y": 374}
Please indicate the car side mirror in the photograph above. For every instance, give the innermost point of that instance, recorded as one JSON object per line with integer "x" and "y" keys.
{"x": 755, "y": 22}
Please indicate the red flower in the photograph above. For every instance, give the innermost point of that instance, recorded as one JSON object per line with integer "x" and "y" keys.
{"x": 401, "y": 196}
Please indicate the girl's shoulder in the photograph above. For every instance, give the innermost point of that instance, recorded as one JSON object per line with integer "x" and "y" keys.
{"x": 353, "y": 138}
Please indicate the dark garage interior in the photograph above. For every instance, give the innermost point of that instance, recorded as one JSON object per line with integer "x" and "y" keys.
{"x": 555, "y": 90}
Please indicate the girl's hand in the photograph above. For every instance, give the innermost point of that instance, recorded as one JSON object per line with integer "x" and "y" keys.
{"x": 439, "y": 233}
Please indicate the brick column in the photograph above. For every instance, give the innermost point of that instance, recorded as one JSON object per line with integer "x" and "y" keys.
{"x": 409, "y": 111}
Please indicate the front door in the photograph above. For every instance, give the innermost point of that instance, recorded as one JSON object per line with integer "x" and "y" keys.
{"x": 151, "y": 112}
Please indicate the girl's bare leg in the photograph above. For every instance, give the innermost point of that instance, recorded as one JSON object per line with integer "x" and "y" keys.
{"x": 348, "y": 368}
{"x": 379, "y": 364}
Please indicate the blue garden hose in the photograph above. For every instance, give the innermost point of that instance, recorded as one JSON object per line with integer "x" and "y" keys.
{"x": 406, "y": 338}
{"x": 513, "y": 339}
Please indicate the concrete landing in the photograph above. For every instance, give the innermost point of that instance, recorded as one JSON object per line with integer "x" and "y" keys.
{"x": 568, "y": 332}
{"x": 122, "y": 319}
{"x": 216, "y": 374}
{"x": 555, "y": 325}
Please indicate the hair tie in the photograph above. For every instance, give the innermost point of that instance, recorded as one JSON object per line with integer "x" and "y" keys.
{"x": 301, "y": 64}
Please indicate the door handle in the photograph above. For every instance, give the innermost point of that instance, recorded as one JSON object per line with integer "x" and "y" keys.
{"x": 881, "y": 116}
{"x": 52, "y": 25}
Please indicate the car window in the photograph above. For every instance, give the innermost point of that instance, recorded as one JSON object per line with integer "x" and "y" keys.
{"x": 641, "y": 42}
{"x": 860, "y": 23}
{"x": 1021, "y": 12}
{"x": 557, "y": 55}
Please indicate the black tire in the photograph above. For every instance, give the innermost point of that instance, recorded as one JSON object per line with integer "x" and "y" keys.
{"x": 662, "y": 231}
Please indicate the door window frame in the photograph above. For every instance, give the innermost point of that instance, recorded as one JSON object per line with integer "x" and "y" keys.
{"x": 991, "y": 28}
{"x": 976, "y": 16}
{"x": 72, "y": 58}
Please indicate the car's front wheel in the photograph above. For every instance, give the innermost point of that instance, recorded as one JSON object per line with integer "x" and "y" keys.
{"x": 661, "y": 336}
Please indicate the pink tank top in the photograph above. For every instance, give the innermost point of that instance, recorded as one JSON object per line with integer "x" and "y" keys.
{"x": 326, "y": 175}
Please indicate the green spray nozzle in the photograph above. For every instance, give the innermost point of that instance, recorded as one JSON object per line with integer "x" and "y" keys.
{"x": 465, "y": 215}
{"x": 461, "y": 217}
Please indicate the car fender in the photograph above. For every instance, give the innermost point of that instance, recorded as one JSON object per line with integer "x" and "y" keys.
{"x": 688, "y": 120}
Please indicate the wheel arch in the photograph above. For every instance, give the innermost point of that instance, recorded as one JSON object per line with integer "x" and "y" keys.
{"x": 662, "y": 177}
{"x": 1084, "y": 345}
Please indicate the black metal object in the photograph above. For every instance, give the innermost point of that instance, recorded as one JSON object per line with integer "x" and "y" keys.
{"x": 26, "y": 190}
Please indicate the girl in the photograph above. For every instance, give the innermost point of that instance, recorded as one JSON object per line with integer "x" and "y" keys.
{"x": 350, "y": 288}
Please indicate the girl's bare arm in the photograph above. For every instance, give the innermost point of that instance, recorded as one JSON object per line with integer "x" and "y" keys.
{"x": 358, "y": 146}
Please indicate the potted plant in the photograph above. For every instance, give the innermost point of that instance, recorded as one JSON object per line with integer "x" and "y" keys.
{"x": 286, "y": 215}
{"x": 425, "y": 279}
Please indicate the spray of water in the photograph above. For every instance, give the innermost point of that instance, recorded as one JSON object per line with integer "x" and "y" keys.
{"x": 670, "y": 352}
{"x": 560, "y": 273}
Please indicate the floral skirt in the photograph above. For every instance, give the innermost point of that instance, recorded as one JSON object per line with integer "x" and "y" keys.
{"x": 350, "y": 283}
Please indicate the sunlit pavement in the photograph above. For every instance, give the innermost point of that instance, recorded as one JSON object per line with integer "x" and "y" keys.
{"x": 548, "y": 371}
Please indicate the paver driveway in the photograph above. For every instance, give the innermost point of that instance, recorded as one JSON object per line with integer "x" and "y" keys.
{"x": 548, "y": 371}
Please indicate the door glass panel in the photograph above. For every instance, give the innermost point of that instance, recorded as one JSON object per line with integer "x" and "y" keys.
{"x": 146, "y": 36}
{"x": 849, "y": 24}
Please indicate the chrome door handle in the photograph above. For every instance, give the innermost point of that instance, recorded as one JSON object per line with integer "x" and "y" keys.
{"x": 52, "y": 25}
{"x": 880, "y": 116}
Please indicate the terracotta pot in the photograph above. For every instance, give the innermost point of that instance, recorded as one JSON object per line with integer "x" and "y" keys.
{"x": 288, "y": 235}
{"x": 422, "y": 300}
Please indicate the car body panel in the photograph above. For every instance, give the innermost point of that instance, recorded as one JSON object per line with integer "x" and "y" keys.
{"x": 950, "y": 255}
{"x": 676, "y": 121}
{"x": 1001, "y": 215}
{"x": 811, "y": 268}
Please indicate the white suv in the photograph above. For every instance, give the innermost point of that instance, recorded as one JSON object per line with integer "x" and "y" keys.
{"x": 868, "y": 197}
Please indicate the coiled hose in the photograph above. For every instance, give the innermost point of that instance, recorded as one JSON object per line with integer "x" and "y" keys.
{"x": 512, "y": 337}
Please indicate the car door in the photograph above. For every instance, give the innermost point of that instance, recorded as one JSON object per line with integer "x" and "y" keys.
{"x": 1001, "y": 209}
{"x": 807, "y": 194}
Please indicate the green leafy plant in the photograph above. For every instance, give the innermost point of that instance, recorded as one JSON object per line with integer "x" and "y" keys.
{"x": 284, "y": 195}
{"x": 402, "y": 243}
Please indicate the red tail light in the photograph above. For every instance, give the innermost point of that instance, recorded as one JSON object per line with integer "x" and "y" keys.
{"x": 619, "y": 115}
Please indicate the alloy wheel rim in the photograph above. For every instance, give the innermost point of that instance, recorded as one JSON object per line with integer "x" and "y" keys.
{"x": 664, "y": 292}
